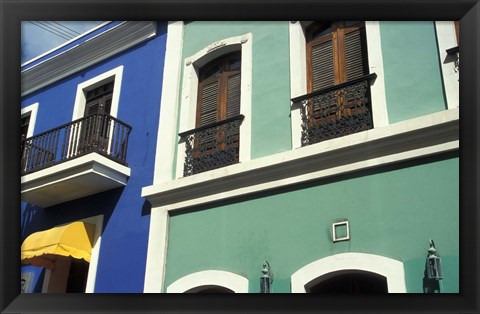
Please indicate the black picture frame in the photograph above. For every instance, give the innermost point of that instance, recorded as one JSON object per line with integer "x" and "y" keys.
{"x": 14, "y": 11}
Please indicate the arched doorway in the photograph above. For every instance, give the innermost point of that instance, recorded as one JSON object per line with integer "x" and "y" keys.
{"x": 357, "y": 282}
{"x": 210, "y": 289}
{"x": 361, "y": 269}
{"x": 210, "y": 281}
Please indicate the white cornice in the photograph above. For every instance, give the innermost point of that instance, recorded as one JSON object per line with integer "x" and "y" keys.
{"x": 86, "y": 54}
{"x": 423, "y": 136}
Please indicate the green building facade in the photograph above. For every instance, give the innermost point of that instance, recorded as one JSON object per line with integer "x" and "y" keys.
{"x": 250, "y": 180}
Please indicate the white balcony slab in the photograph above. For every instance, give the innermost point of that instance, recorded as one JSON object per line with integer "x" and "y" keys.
{"x": 73, "y": 179}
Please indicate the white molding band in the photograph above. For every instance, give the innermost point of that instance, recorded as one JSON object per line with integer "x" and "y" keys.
{"x": 157, "y": 250}
{"x": 232, "y": 281}
{"x": 427, "y": 135}
{"x": 190, "y": 87}
{"x": 298, "y": 75}
{"x": 375, "y": 64}
{"x": 86, "y": 54}
{"x": 33, "y": 109}
{"x": 97, "y": 242}
{"x": 391, "y": 269}
{"x": 169, "y": 104}
{"x": 446, "y": 39}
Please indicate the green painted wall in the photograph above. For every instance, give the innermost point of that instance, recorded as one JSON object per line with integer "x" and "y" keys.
{"x": 392, "y": 213}
{"x": 413, "y": 83}
{"x": 271, "y": 129}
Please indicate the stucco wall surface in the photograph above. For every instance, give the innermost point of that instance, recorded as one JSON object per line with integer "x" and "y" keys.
{"x": 393, "y": 212}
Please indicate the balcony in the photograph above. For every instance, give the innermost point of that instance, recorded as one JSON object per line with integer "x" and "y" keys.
{"x": 212, "y": 146}
{"x": 336, "y": 111}
{"x": 77, "y": 159}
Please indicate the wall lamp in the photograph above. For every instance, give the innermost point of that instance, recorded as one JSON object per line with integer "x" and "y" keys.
{"x": 266, "y": 279}
{"x": 434, "y": 263}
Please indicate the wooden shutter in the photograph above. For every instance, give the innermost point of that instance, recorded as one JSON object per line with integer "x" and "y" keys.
{"x": 219, "y": 90}
{"x": 208, "y": 103}
{"x": 322, "y": 65}
{"x": 337, "y": 56}
{"x": 233, "y": 95}
{"x": 92, "y": 108}
{"x": 356, "y": 61}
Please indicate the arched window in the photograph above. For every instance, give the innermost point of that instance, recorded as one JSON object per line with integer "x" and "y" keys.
{"x": 214, "y": 143}
{"x": 219, "y": 90}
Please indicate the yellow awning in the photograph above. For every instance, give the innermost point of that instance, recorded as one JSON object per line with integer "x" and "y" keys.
{"x": 74, "y": 239}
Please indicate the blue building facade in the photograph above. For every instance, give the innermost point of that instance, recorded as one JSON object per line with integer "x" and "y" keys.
{"x": 90, "y": 113}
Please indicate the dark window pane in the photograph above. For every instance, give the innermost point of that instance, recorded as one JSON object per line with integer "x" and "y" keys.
{"x": 355, "y": 282}
{"x": 350, "y": 23}
{"x": 24, "y": 122}
{"x": 213, "y": 71}
{"x": 322, "y": 30}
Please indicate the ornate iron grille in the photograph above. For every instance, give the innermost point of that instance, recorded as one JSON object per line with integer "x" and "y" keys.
{"x": 100, "y": 133}
{"x": 336, "y": 111}
{"x": 212, "y": 146}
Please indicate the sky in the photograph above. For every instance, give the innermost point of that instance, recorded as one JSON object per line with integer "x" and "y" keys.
{"x": 39, "y": 37}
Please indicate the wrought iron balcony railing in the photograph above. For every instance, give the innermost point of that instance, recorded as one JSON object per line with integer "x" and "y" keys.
{"x": 100, "y": 133}
{"x": 336, "y": 111}
{"x": 212, "y": 146}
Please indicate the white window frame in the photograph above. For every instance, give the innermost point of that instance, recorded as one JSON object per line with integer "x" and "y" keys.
{"x": 446, "y": 39}
{"x": 33, "y": 110}
{"x": 229, "y": 280}
{"x": 188, "y": 109}
{"x": 298, "y": 74}
{"x": 114, "y": 75}
{"x": 391, "y": 269}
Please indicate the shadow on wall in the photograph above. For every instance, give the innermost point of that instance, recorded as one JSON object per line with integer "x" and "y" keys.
{"x": 146, "y": 208}
{"x": 36, "y": 219}
{"x": 31, "y": 216}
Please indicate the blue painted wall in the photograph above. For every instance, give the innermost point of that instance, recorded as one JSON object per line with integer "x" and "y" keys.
{"x": 121, "y": 265}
